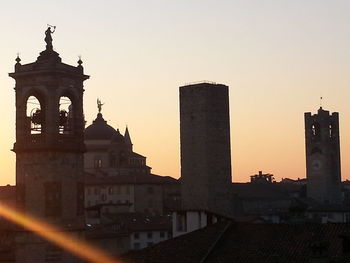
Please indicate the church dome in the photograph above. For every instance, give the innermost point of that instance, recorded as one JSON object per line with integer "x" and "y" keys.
{"x": 99, "y": 130}
{"x": 118, "y": 138}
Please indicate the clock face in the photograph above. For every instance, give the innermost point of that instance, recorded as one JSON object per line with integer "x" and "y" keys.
{"x": 316, "y": 165}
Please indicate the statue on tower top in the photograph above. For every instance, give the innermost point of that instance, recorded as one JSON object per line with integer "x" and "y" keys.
{"x": 99, "y": 105}
{"x": 48, "y": 37}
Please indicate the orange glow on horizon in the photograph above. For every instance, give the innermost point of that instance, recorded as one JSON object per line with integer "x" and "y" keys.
{"x": 54, "y": 235}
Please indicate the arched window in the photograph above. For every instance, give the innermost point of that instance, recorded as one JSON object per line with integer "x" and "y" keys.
{"x": 315, "y": 131}
{"x": 66, "y": 116}
{"x": 330, "y": 131}
{"x": 35, "y": 115}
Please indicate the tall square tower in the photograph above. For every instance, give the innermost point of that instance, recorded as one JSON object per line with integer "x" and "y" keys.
{"x": 323, "y": 157}
{"x": 205, "y": 147}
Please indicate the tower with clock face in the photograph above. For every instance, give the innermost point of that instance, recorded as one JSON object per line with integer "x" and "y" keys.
{"x": 323, "y": 156}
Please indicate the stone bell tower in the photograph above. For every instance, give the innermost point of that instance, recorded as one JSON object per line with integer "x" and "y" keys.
{"x": 49, "y": 143}
{"x": 323, "y": 157}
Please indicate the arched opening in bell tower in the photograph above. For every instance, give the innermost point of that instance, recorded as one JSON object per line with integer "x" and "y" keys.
{"x": 35, "y": 115}
{"x": 331, "y": 131}
{"x": 315, "y": 131}
{"x": 66, "y": 116}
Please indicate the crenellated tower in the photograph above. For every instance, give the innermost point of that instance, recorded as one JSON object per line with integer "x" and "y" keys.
{"x": 323, "y": 157}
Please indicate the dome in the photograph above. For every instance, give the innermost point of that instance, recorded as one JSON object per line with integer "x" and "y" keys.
{"x": 118, "y": 138}
{"x": 99, "y": 130}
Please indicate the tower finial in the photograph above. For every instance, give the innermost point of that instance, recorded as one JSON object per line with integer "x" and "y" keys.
{"x": 48, "y": 37}
{"x": 99, "y": 105}
{"x": 79, "y": 61}
{"x": 321, "y": 102}
{"x": 18, "y": 59}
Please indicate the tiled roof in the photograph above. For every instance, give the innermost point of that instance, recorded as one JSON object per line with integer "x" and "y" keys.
{"x": 248, "y": 243}
{"x": 185, "y": 249}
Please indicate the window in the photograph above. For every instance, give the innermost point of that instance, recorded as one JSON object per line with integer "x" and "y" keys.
{"x": 136, "y": 245}
{"x": 315, "y": 131}
{"x": 149, "y": 235}
{"x": 149, "y": 244}
{"x": 98, "y": 162}
{"x": 35, "y": 115}
{"x": 97, "y": 191}
{"x": 181, "y": 222}
{"x": 331, "y": 131}
{"x": 118, "y": 190}
{"x": 127, "y": 189}
{"x": 66, "y": 116}
{"x": 110, "y": 190}
{"x": 162, "y": 234}
{"x": 136, "y": 235}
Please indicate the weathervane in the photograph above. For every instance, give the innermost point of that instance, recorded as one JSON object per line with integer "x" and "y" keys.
{"x": 99, "y": 105}
{"x": 48, "y": 37}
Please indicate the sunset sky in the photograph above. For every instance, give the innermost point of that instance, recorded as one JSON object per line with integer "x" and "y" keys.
{"x": 278, "y": 57}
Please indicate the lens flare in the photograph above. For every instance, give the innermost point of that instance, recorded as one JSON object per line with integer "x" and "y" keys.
{"x": 53, "y": 234}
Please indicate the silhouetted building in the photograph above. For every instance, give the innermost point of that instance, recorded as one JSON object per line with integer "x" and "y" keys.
{"x": 117, "y": 179}
{"x": 323, "y": 157}
{"x": 205, "y": 147}
{"x": 110, "y": 151}
{"x": 49, "y": 147}
{"x": 205, "y": 157}
{"x": 262, "y": 178}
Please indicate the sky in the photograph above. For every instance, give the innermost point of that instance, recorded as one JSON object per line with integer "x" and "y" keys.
{"x": 277, "y": 56}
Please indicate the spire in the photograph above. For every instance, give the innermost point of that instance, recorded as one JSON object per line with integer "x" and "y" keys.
{"x": 18, "y": 62}
{"x": 127, "y": 136}
{"x": 18, "y": 59}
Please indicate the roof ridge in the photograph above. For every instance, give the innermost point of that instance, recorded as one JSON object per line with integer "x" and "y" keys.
{"x": 216, "y": 241}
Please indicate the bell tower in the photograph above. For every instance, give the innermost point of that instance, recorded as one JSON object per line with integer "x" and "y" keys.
{"x": 49, "y": 143}
{"x": 323, "y": 157}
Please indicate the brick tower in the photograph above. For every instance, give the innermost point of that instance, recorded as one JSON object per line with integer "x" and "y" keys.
{"x": 49, "y": 143}
{"x": 205, "y": 147}
{"x": 323, "y": 156}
